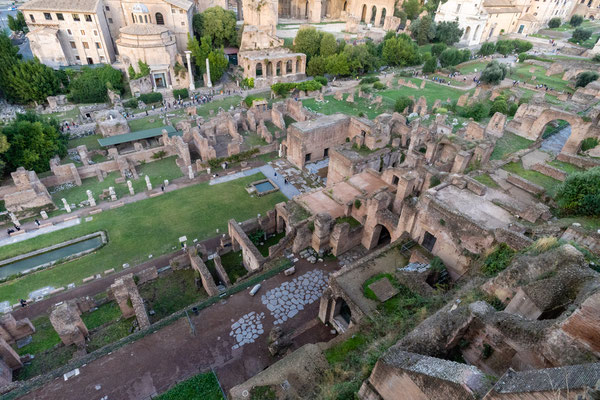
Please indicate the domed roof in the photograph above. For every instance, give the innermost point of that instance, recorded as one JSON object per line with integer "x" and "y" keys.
{"x": 140, "y": 8}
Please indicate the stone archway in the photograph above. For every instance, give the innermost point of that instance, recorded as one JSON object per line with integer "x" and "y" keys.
{"x": 580, "y": 129}
{"x": 373, "y": 15}
{"x": 288, "y": 67}
{"x": 467, "y": 34}
{"x": 259, "y": 69}
{"x": 363, "y": 15}
{"x": 382, "y": 19}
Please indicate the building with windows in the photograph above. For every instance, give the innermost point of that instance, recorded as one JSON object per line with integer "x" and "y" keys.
{"x": 483, "y": 20}
{"x": 123, "y": 32}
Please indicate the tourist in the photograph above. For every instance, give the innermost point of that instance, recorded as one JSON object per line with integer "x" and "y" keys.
{"x": 162, "y": 187}
{"x": 23, "y": 302}
{"x": 37, "y": 222}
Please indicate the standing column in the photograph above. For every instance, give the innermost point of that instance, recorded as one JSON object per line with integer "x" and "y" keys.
{"x": 189, "y": 65}
{"x": 208, "y": 82}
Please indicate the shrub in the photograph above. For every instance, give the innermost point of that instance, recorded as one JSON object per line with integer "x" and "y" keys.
{"x": 248, "y": 83}
{"x": 499, "y": 105}
{"x": 283, "y": 88}
{"x": 434, "y": 181}
{"x": 153, "y": 97}
{"x": 477, "y": 111}
{"x": 494, "y": 72}
{"x": 438, "y": 48}
{"x": 596, "y": 58}
{"x": 180, "y": 92}
{"x": 379, "y": 86}
{"x": 579, "y": 194}
{"x": 554, "y": 23}
{"x": 321, "y": 79}
{"x": 588, "y": 143}
{"x": 452, "y": 56}
{"x": 487, "y": 49}
{"x": 497, "y": 260}
{"x": 159, "y": 155}
{"x": 402, "y": 103}
{"x": 522, "y": 46}
{"x": 430, "y": 65}
{"x": 586, "y": 77}
{"x": 131, "y": 103}
{"x": 357, "y": 204}
{"x": 250, "y": 99}
{"x": 309, "y": 86}
{"x": 369, "y": 79}
{"x": 576, "y": 20}
{"x": 581, "y": 35}
{"x": 505, "y": 47}
{"x": 513, "y": 109}
{"x": 437, "y": 265}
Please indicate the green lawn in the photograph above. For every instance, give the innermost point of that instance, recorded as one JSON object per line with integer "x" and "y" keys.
{"x": 431, "y": 91}
{"x": 273, "y": 240}
{"x": 487, "y": 181}
{"x": 470, "y": 67}
{"x": 200, "y": 387}
{"x": 171, "y": 292}
{"x": 550, "y": 184}
{"x": 232, "y": 263}
{"x": 105, "y": 313}
{"x": 45, "y": 362}
{"x": 204, "y": 109}
{"x": 153, "y": 121}
{"x": 568, "y": 168}
{"x": 554, "y": 81}
{"x": 252, "y": 139}
{"x": 588, "y": 44}
{"x": 158, "y": 171}
{"x": 44, "y": 338}
{"x": 110, "y": 334}
{"x": 137, "y": 230}
{"x": 91, "y": 142}
{"x": 508, "y": 144}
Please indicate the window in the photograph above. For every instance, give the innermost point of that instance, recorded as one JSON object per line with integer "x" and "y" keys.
{"x": 458, "y": 8}
{"x": 76, "y": 17}
{"x": 69, "y": 32}
{"x": 60, "y": 17}
{"x": 159, "y": 19}
{"x": 173, "y": 10}
{"x": 98, "y": 45}
{"x": 95, "y": 32}
{"x": 326, "y": 152}
{"x": 110, "y": 21}
{"x": 146, "y": 18}
{"x": 307, "y": 157}
{"x": 102, "y": 59}
{"x": 88, "y": 17}
{"x": 82, "y": 32}
{"x": 31, "y": 18}
{"x": 48, "y": 16}
{"x": 395, "y": 180}
{"x": 107, "y": 8}
{"x": 77, "y": 58}
{"x": 85, "y": 45}
{"x": 182, "y": 23}
{"x": 429, "y": 241}
{"x": 73, "y": 45}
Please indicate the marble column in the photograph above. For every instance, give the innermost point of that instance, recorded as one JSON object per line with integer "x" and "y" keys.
{"x": 208, "y": 82}
{"x": 189, "y": 66}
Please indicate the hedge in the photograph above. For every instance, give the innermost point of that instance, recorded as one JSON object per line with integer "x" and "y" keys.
{"x": 180, "y": 92}
{"x": 153, "y": 97}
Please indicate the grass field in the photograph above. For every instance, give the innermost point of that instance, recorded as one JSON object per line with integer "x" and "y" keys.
{"x": 550, "y": 184}
{"x": 554, "y": 81}
{"x": 138, "y": 230}
{"x": 568, "y": 168}
{"x": 158, "y": 171}
{"x": 431, "y": 91}
{"x": 487, "y": 181}
{"x": 91, "y": 142}
{"x": 200, "y": 387}
{"x": 471, "y": 66}
{"x": 154, "y": 121}
{"x": 508, "y": 144}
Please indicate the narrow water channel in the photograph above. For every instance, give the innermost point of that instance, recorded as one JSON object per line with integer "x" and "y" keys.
{"x": 50, "y": 256}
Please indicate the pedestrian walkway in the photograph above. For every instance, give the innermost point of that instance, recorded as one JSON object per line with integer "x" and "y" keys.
{"x": 31, "y": 234}
{"x": 288, "y": 189}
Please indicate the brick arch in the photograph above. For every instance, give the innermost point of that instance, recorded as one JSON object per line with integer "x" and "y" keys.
{"x": 579, "y": 128}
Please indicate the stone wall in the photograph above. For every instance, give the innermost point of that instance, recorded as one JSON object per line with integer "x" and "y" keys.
{"x": 251, "y": 257}
{"x": 127, "y": 296}
{"x": 514, "y": 240}
{"x": 524, "y": 184}
{"x": 66, "y": 320}
{"x": 591, "y": 240}
{"x": 207, "y": 280}
{"x": 550, "y": 171}
{"x": 12, "y": 330}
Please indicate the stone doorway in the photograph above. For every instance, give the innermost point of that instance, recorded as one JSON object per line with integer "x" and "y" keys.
{"x": 556, "y": 133}
{"x": 429, "y": 241}
{"x": 342, "y": 315}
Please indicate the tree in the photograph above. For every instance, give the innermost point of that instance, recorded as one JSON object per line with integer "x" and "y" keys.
{"x": 402, "y": 103}
{"x": 452, "y": 56}
{"x": 307, "y": 41}
{"x": 199, "y": 51}
{"x": 17, "y": 24}
{"x": 586, "y": 77}
{"x": 197, "y": 25}
{"x": 32, "y": 81}
{"x": 576, "y": 20}
{"x": 499, "y": 105}
{"x": 316, "y": 66}
{"x": 4, "y": 145}
{"x": 438, "y": 48}
{"x": 8, "y": 58}
{"x": 218, "y": 64}
{"x": 412, "y": 8}
{"x": 487, "y": 49}
{"x": 522, "y": 46}
{"x": 33, "y": 141}
{"x": 360, "y": 59}
{"x": 219, "y": 24}
{"x": 328, "y": 45}
{"x": 494, "y": 73}
{"x": 423, "y": 30}
{"x": 337, "y": 64}
{"x": 400, "y": 51}
{"x": 430, "y": 65}
{"x": 581, "y": 35}
{"x": 579, "y": 194}
{"x": 505, "y": 47}
{"x": 554, "y": 23}
{"x": 448, "y": 32}
{"x": 90, "y": 86}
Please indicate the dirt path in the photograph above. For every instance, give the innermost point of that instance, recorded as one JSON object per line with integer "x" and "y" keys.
{"x": 156, "y": 362}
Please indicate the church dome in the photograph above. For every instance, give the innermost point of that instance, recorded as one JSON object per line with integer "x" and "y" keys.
{"x": 140, "y": 8}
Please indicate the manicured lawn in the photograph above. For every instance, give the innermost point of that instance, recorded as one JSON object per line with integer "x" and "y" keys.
{"x": 153, "y": 121}
{"x": 200, "y": 387}
{"x": 171, "y": 292}
{"x": 158, "y": 171}
{"x": 550, "y": 184}
{"x": 568, "y": 168}
{"x": 470, "y": 67}
{"x": 138, "y": 230}
{"x": 554, "y": 81}
{"x": 487, "y": 181}
{"x": 104, "y": 314}
{"x": 509, "y": 143}
{"x": 91, "y": 142}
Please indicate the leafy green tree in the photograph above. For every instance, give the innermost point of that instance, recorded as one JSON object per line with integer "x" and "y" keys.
{"x": 554, "y": 23}
{"x": 32, "y": 141}
{"x": 400, "y": 51}
{"x": 307, "y": 41}
{"x": 360, "y": 60}
{"x": 219, "y": 24}
{"x": 4, "y": 145}
{"x": 430, "y": 65}
{"x": 477, "y": 111}
{"x": 8, "y": 58}
{"x": 494, "y": 72}
{"x": 197, "y": 25}
{"x": 581, "y": 34}
{"x": 438, "y": 48}
{"x": 90, "y": 86}
{"x": 499, "y": 105}
{"x": 17, "y": 24}
{"x": 412, "y": 8}
{"x": 423, "y": 30}
{"x": 448, "y": 32}
{"x": 402, "y": 103}
{"x": 200, "y": 52}
{"x": 487, "y": 49}
{"x": 328, "y": 46}
{"x": 505, "y": 47}
{"x": 452, "y": 56}
{"x": 586, "y": 77}
{"x": 316, "y": 66}
{"x": 522, "y": 46}
{"x": 337, "y": 65}
{"x": 579, "y": 194}
{"x": 218, "y": 64}
{"x": 32, "y": 81}
{"x": 399, "y": 13}
{"x": 576, "y": 20}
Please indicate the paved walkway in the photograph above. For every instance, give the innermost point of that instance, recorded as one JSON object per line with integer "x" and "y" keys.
{"x": 39, "y": 231}
{"x": 288, "y": 189}
{"x": 154, "y": 363}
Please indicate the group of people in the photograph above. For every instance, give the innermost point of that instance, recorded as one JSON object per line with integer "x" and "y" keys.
{"x": 67, "y": 125}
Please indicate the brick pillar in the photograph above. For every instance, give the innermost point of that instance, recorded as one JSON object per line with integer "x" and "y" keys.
{"x": 405, "y": 187}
